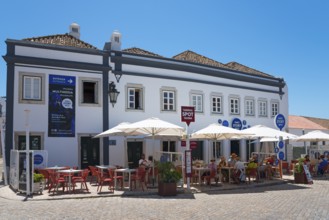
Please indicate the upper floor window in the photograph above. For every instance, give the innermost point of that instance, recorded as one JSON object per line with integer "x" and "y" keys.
{"x": 168, "y": 100}
{"x": 263, "y": 108}
{"x": 216, "y": 104}
{"x": 89, "y": 91}
{"x": 31, "y": 88}
{"x": 196, "y": 100}
{"x": 250, "y": 107}
{"x": 234, "y": 106}
{"x": 274, "y": 109}
{"x": 135, "y": 98}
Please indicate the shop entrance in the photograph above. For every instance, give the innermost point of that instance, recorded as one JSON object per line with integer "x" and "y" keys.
{"x": 235, "y": 147}
{"x": 134, "y": 152}
{"x": 89, "y": 151}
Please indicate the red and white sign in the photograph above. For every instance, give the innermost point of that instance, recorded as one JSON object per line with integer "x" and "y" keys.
{"x": 187, "y": 114}
{"x": 193, "y": 144}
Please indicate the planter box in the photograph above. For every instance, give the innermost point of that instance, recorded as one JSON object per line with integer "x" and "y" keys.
{"x": 300, "y": 178}
{"x": 38, "y": 187}
{"x": 167, "y": 189}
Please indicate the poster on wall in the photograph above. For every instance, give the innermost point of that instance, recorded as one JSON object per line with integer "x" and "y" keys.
{"x": 61, "y": 113}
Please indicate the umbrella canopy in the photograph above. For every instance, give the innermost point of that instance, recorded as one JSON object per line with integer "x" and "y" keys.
{"x": 218, "y": 132}
{"x": 260, "y": 131}
{"x": 313, "y": 136}
{"x": 116, "y": 131}
{"x": 153, "y": 127}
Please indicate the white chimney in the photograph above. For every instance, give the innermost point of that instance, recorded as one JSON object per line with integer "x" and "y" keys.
{"x": 116, "y": 41}
{"x": 75, "y": 30}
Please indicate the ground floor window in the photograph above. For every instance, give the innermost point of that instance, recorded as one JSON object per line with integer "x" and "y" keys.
{"x": 35, "y": 142}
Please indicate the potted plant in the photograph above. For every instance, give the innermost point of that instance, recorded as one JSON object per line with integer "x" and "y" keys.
{"x": 168, "y": 178}
{"x": 38, "y": 182}
{"x": 299, "y": 174}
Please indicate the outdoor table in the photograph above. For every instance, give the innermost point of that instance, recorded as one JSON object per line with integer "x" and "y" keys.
{"x": 123, "y": 170}
{"x": 55, "y": 168}
{"x": 105, "y": 167}
{"x": 200, "y": 169}
{"x": 229, "y": 173}
{"x": 70, "y": 173}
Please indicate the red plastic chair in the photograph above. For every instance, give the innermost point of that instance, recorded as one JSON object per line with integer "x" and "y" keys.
{"x": 139, "y": 176}
{"x": 94, "y": 173}
{"x": 103, "y": 180}
{"x": 118, "y": 177}
{"x": 81, "y": 179}
{"x": 55, "y": 181}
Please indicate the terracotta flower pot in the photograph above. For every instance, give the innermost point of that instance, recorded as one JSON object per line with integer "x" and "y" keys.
{"x": 300, "y": 178}
{"x": 167, "y": 189}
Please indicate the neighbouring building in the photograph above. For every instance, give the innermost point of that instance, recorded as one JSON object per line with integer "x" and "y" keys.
{"x": 64, "y": 82}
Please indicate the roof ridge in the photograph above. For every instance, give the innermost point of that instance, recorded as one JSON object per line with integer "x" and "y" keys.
{"x": 54, "y": 36}
{"x": 146, "y": 52}
{"x": 250, "y": 68}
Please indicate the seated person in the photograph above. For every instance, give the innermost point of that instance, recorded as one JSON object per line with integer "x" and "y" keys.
{"x": 239, "y": 171}
{"x": 322, "y": 165}
{"x": 213, "y": 169}
{"x": 223, "y": 163}
{"x": 232, "y": 160}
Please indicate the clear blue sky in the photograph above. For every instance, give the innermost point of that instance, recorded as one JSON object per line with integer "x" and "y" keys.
{"x": 284, "y": 38}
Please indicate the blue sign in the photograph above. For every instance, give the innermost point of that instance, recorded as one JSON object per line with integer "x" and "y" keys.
{"x": 281, "y": 155}
{"x": 61, "y": 106}
{"x": 279, "y": 121}
{"x": 276, "y": 150}
{"x": 38, "y": 159}
{"x": 219, "y": 121}
{"x": 225, "y": 123}
{"x": 280, "y": 144}
{"x": 237, "y": 124}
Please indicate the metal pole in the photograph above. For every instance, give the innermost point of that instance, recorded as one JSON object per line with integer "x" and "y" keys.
{"x": 305, "y": 143}
{"x": 27, "y": 150}
{"x": 188, "y": 148}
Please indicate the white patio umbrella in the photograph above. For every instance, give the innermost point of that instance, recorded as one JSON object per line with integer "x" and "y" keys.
{"x": 262, "y": 131}
{"x": 116, "y": 131}
{"x": 313, "y": 136}
{"x": 218, "y": 132}
{"x": 154, "y": 127}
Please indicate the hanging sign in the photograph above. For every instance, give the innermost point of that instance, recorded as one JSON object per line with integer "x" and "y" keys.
{"x": 236, "y": 124}
{"x": 187, "y": 114}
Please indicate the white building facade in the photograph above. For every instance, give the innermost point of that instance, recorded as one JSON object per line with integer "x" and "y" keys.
{"x": 66, "y": 88}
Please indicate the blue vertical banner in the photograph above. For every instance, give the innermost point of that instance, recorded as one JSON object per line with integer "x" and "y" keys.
{"x": 61, "y": 112}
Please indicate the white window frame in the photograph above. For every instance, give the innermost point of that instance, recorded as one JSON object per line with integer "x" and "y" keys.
{"x": 98, "y": 93}
{"x": 34, "y": 98}
{"x": 274, "y": 105}
{"x": 262, "y": 108}
{"x": 196, "y": 100}
{"x": 168, "y": 101}
{"x": 216, "y": 102}
{"x": 249, "y": 105}
{"x": 130, "y": 98}
{"x": 234, "y": 105}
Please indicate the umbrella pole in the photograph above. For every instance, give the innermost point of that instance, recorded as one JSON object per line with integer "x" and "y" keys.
{"x": 153, "y": 179}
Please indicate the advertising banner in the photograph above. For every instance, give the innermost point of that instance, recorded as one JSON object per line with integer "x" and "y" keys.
{"x": 61, "y": 113}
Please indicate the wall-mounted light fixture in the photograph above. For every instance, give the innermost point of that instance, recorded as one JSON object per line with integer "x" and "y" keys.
{"x": 113, "y": 93}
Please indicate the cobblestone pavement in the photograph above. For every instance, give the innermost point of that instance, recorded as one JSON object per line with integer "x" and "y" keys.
{"x": 284, "y": 201}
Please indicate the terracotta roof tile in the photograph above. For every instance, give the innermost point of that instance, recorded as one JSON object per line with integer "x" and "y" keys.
{"x": 62, "y": 40}
{"x": 243, "y": 68}
{"x": 191, "y": 56}
{"x": 136, "y": 50}
{"x": 303, "y": 123}
{"x": 320, "y": 121}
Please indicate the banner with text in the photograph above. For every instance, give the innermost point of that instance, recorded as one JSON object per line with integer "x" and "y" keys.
{"x": 61, "y": 113}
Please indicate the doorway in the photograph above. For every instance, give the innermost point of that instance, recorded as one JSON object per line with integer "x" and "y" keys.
{"x": 89, "y": 152}
{"x": 197, "y": 152}
{"x": 134, "y": 152}
{"x": 235, "y": 147}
